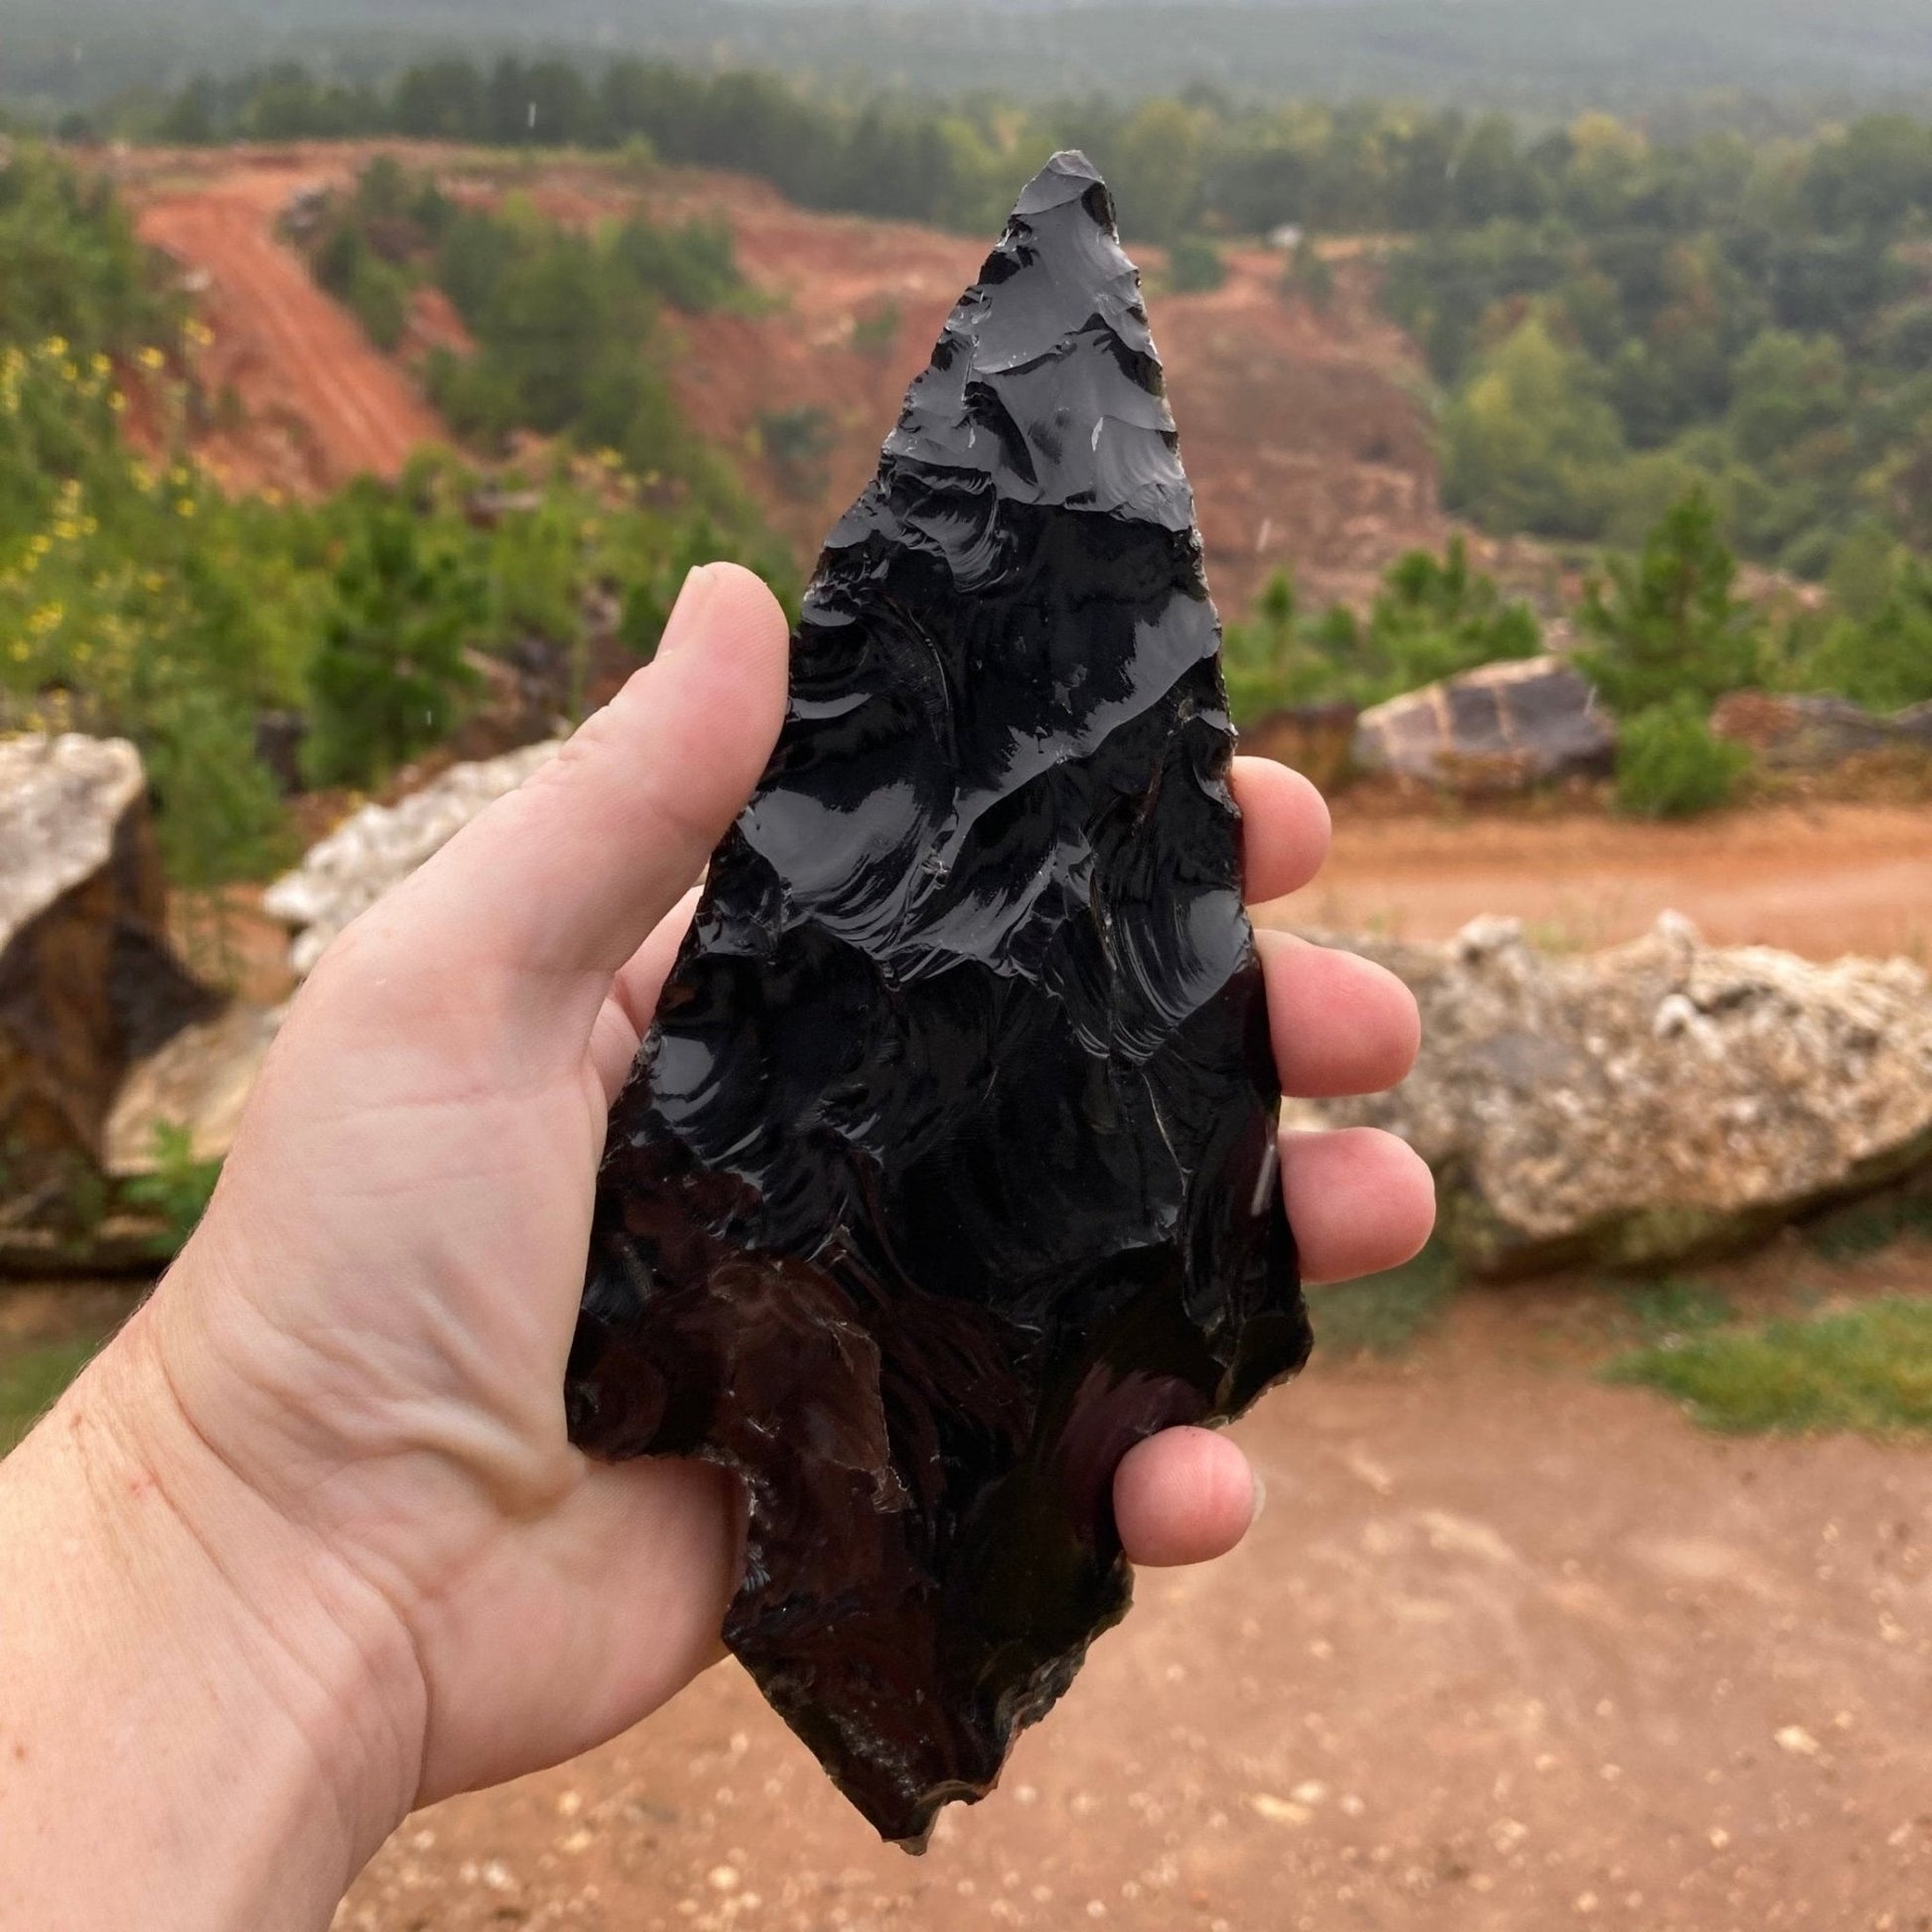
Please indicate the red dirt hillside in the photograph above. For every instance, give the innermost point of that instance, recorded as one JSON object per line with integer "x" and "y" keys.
{"x": 1301, "y": 435}
{"x": 319, "y": 403}
{"x": 1300, "y": 430}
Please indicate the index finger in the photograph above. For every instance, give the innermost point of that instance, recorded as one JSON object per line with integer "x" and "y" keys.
{"x": 1284, "y": 828}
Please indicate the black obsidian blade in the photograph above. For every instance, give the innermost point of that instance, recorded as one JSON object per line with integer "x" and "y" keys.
{"x": 948, "y": 1170}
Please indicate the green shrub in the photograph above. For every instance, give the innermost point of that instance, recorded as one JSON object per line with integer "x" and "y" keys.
{"x": 797, "y": 443}
{"x": 379, "y": 296}
{"x": 1194, "y": 266}
{"x": 877, "y": 334}
{"x": 1432, "y": 618}
{"x": 1667, "y": 625}
{"x": 177, "y": 1192}
{"x": 70, "y": 265}
{"x": 693, "y": 267}
{"x": 1670, "y": 765}
{"x": 1884, "y": 660}
{"x": 218, "y": 814}
{"x": 390, "y": 669}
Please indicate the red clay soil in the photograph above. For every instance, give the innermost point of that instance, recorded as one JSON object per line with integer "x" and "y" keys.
{"x": 1301, "y": 430}
{"x": 1509, "y": 1650}
{"x": 320, "y": 404}
{"x": 1817, "y": 880}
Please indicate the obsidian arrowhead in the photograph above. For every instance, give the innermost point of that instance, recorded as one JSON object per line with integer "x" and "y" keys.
{"x": 948, "y": 1170}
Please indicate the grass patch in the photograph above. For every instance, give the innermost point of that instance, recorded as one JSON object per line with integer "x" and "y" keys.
{"x": 1867, "y": 1369}
{"x": 32, "y": 1381}
{"x": 1385, "y": 1314}
{"x": 1669, "y": 1310}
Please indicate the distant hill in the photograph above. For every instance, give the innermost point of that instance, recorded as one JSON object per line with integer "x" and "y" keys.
{"x": 1535, "y": 55}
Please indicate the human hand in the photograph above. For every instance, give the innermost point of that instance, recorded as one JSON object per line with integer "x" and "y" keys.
{"x": 350, "y": 1388}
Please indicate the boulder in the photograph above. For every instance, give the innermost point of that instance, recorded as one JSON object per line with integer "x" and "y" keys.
{"x": 381, "y": 845}
{"x": 198, "y": 1083}
{"x": 1810, "y": 732}
{"x": 1501, "y": 728}
{"x": 89, "y": 984}
{"x": 1654, "y": 1102}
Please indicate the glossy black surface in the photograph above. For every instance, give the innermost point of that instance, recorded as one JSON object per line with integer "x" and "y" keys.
{"x": 948, "y": 1171}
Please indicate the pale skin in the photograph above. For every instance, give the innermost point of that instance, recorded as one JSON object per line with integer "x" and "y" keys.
{"x": 307, "y": 1547}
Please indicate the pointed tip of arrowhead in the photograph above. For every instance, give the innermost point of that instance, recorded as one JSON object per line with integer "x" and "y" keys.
{"x": 1069, "y": 176}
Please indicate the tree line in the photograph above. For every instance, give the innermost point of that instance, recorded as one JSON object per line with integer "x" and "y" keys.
{"x": 1611, "y": 320}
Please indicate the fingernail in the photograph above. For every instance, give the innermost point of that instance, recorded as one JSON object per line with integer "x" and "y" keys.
{"x": 681, "y": 628}
{"x": 1261, "y": 1498}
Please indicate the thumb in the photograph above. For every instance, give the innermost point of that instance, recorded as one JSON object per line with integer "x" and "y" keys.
{"x": 566, "y": 877}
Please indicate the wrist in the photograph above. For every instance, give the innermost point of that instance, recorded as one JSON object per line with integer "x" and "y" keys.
{"x": 242, "y": 1711}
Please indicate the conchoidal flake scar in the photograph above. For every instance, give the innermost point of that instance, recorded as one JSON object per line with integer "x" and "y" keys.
{"x": 948, "y": 1170}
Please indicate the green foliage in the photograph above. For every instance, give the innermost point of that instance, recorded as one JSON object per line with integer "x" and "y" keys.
{"x": 877, "y": 334}
{"x": 33, "y": 1379}
{"x": 797, "y": 443}
{"x": 1882, "y": 661}
{"x": 1194, "y": 266}
{"x": 137, "y": 600}
{"x": 1866, "y": 1227}
{"x": 1748, "y": 310}
{"x": 71, "y": 268}
{"x": 1719, "y": 63}
{"x": 1310, "y": 275}
{"x": 693, "y": 267}
{"x": 1436, "y": 618}
{"x": 177, "y": 1192}
{"x": 1385, "y": 1314}
{"x": 566, "y": 323}
{"x": 1668, "y": 624}
{"x": 1528, "y": 441}
{"x": 1432, "y": 618}
{"x": 1669, "y": 764}
{"x": 1669, "y": 1310}
{"x": 390, "y": 671}
{"x": 1867, "y": 1369}
{"x": 1265, "y": 661}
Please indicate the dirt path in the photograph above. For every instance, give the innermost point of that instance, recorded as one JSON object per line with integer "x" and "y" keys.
{"x": 324, "y": 405}
{"x": 1819, "y": 880}
{"x": 1509, "y": 1650}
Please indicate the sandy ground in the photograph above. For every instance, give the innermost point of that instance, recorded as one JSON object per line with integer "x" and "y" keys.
{"x": 1508, "y": 1649}
{"x": 1819, "y": 880}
